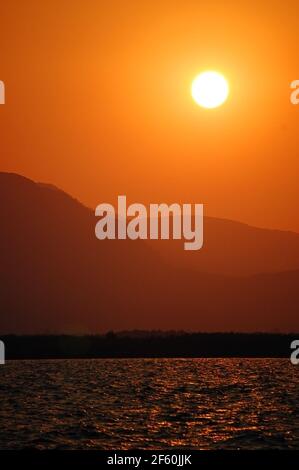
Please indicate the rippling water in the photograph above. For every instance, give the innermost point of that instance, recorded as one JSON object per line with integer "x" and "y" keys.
{"x": 149, "y": 404}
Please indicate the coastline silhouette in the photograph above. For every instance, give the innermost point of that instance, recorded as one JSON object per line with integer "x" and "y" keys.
{"x": 142, "y": 344}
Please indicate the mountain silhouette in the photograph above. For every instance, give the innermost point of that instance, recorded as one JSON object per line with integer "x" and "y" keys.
{"x": 55, "y": 276}
{"x": 237, "y": 249}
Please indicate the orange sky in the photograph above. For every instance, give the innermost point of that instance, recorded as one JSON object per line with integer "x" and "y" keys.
{"x": 98, "y": 103}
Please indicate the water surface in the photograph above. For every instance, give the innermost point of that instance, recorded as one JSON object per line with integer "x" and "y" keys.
{"x": 150, "y": 404}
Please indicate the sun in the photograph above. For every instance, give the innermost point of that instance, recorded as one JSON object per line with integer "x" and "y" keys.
{"x": 210, "y": 89}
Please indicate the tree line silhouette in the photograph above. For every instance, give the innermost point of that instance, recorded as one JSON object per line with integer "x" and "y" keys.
{"x": 149, "y": 344}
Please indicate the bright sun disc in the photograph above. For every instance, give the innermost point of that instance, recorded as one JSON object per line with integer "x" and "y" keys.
{"x": 210, "y": 89}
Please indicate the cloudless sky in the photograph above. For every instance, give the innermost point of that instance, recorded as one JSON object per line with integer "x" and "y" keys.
{"x": 98, "y": 103}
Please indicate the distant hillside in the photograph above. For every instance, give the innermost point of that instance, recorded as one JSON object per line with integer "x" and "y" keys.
{"x": 236, "y": 249}
{"x": 55, "y": 276}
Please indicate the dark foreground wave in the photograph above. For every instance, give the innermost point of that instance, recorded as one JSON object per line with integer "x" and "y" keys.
{"x": 150, "y": 404}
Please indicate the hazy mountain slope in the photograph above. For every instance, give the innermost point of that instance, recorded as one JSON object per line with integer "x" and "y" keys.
{"x": 56, "y": 276}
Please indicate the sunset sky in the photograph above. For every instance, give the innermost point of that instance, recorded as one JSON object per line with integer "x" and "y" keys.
{"x": 98, "y": 103}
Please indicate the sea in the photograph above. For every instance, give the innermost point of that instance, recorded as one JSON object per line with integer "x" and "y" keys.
{"x": 160, "y": 404}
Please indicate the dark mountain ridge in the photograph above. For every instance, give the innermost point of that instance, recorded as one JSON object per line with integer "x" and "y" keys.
{"x": 57, "y": 277}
